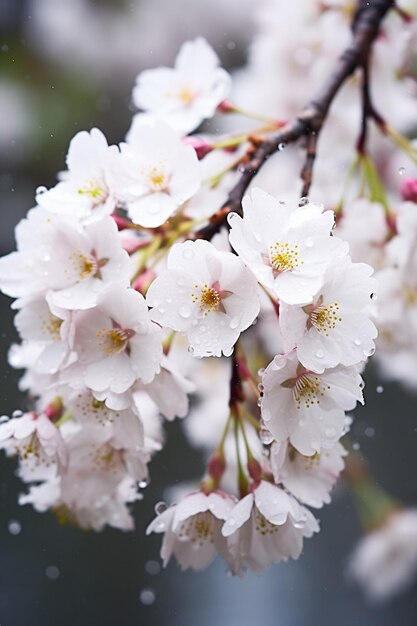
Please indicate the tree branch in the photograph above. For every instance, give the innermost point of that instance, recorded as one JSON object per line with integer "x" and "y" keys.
{"x": 308, "y": 123}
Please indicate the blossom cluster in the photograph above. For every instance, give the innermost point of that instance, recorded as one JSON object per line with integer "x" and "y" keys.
{"x": 124, "y": 311}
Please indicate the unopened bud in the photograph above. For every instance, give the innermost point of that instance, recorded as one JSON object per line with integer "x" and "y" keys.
{"x": 254, "y": 469}
{"x": 143, "y": 282}
{"x": 408, "y": 189}
{"x": 216, "y": 466}
{"x": 201, "y": 146}
{"x": 54, "y": 410}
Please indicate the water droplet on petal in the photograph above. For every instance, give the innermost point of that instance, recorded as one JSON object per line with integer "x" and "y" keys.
{"x": 281, "y": 146}
{"x": 303, "y": 201}
{"x": 319, "y": 354}
{"x": 40, "y": 190}
{"x": 357, "y": 342}
{"x": 160, "y": 507}
{"x": 266, "y": 436}
{"x": 234, "y": 323}
{"x": 401, "y": 171}
{"x": 143, "y": 484}
{"x": 184, "y": 311}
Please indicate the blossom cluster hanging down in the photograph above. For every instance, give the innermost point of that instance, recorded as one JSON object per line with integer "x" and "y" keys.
{"x": 124, "y": 311}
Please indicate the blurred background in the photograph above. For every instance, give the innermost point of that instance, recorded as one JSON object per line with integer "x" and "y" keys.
{"x": 70, "y": 65}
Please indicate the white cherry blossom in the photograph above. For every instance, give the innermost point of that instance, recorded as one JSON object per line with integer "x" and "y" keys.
{"x": 306, "y": 407}
{"x": 155, "y": 174}
{"x": 335, "y": 328}
{"x": 384, "y": 562}
{"x": 267, "y": 526}
{"x": 74, "y": 263}
{"x": 308, "y": 478}
{"x": 116, "y": 342}
{"x": 192, "y": 529}
{"x": 187, "y": 94}
{"x": 49, "y": 328}
{"x": 34, "y": 438}
{"x": 288, "y": 250}
{"x": 85, "y": 190}
{"x": 208, "y": 294}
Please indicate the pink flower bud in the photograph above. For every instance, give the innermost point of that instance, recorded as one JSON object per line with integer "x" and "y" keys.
{"x": 54, "y": 410}
{"x": 143, "y": 281}
{"x": 121, "y": 222}
{"x": 408, "y": 189}
{"x": 200, "y": 146}
{"x": 216, "y": 466}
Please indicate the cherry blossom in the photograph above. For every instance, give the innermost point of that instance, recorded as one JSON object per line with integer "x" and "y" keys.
{"x": 306, "y": 407}
{"x": 72, "y": 262}
{"x": 308, "y": 478}
{"x": 267, "y": 526}
{"x": 192, "y": 529}
{"x": 34, "y": 438}
{"x": 155, "y": 174}
{"x": 288, "y": 250}
{"x": 335, "y": 328}
{"x": 187, "y": 94}
{"x": 85, "y": 189}
{"x": 385, "y": 560}
{"x": 208, "y": 294}
{"x": 116, "y": 342}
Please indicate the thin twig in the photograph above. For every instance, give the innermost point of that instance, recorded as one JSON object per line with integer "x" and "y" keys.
{"x": 365, "y": 27}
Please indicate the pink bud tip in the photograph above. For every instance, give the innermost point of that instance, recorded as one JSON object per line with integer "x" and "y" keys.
{"x": 143, "y": 281}
{"x": 216, "y": 466}
{"x": 408, "y": 189}
{"x": 200, "y": 146}
{"x": 121, "y": 222}
{"x": 226, "y": 107}
{"x": 255, "y": 470}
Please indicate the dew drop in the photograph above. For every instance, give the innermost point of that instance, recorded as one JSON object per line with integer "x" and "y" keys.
{"x": 184, "y": 311}
{"x": 52, "y": 572}
{"x": 14, "y": 527}
{"x": 231, "y": 521}
{"x": 319, "y": 354}
{"x": 40, "y": 190}
{"x": 357, "y": 342}
{"x": 147, "y": 596}
{"x": 143, "y": 484}
{"x": 281, "y": 146}
{"x": 303, "y": 201}
{"x": 152, "y": 567}
{"x": 234, "y": 323}
{"x": 401, "y": 171}
{"x": 266, "y": 436}
{"x": 374, "y": 296}
{"x": 160, "y": 507}
{"x": 17, "y": 413}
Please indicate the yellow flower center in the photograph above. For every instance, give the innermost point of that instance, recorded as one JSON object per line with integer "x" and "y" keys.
{"x": 52, "y": 326}
{"x": 95, "y": 190}
{"x": 186, "y": 95}
{"x": 113, "y": 340}
{"x": 198, "y": 528}
{"x": 325, "y": 318}
{"x": 283, "y": 257}
{"x": 157, "y": 179}
{"x": 308, "y": 390}
{"x": 209, "y": 298}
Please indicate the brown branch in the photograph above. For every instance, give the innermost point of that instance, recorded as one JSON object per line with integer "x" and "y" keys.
{"x": 308, "y": 123}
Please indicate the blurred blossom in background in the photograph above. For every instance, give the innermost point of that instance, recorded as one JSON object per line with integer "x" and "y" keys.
{"x": 68, "y": 65}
